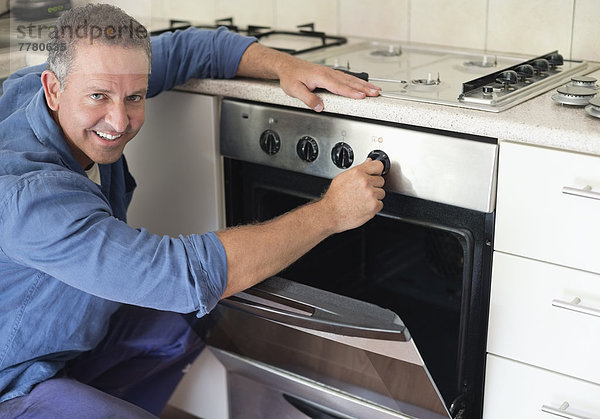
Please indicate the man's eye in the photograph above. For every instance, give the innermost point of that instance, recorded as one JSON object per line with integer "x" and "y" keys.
{"x": 134, "y": 98}
{"x": 96, "y": 96}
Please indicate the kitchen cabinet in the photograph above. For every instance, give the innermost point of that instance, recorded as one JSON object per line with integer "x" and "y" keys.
{"x": 521, "y": 391}
{"x": 544, "y": 209}
{"x": 176, "y": 163}
{"x": 543, "y": 336}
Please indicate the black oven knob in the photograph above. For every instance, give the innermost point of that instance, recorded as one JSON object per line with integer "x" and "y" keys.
{"x": 540, "y": 66}
{"x": 307, "y": 149}
{"x": 554, "y": 59}
{"x": 270, "y": 142}
{"x": 382, "y": 157}
{"x": 342, "y": 155}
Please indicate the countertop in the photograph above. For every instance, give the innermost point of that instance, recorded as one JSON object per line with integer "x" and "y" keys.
{"x": 539, "y": 121}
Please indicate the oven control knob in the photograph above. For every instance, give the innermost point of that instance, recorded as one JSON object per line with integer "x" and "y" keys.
{"x": 307, "y": 149}
{"x": 270, "y": 142}
{"x": 382, "y": 157}
{"x": 342, "y": 155}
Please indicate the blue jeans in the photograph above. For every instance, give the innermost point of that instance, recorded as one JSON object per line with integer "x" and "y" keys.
{"x": 130, "y": 374}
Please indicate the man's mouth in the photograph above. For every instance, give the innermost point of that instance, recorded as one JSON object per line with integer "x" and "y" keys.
{"x": 106, "y": 136}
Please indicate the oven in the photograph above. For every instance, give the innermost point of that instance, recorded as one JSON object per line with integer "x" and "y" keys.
{"x": 386, "y": 320}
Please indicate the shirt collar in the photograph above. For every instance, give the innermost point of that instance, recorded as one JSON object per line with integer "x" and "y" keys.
{"x": 48, "y": 132}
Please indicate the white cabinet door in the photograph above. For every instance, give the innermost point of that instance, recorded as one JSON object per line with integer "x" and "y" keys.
{"x": 176, "y": 163}
{"x": 518, "y": 391}
{"x": 530, "y": 322}
{"x": 537, "y": 217}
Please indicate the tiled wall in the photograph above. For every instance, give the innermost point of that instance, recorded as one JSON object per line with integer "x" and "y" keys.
{"x": 522, "y": 26}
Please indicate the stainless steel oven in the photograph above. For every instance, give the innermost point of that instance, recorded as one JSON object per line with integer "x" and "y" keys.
{"x": 386, "y": 320}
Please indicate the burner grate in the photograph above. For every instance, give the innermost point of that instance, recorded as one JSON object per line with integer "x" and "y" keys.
{"x": 316, "y": 39}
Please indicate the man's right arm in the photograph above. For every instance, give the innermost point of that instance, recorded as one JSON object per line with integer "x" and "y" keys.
{"x": 181, "y": 55}
{"x": 256, "y": 252}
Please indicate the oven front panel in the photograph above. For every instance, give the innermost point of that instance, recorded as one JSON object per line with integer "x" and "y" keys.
{"x": 450, "y": 168}
{"x": 420, "y": 259}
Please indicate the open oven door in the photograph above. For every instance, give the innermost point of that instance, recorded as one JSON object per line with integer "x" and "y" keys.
{"x": 291, "y": 350}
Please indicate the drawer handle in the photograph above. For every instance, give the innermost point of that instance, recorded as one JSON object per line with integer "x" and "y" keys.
{"x": 562, "y": 411}
{"x": 585, "y": 192}
{"x": 573, "y": 305}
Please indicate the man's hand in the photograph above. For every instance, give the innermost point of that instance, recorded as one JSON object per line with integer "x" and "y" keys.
{"x": 300, "y": 78}
{"x": 354, "y": 196}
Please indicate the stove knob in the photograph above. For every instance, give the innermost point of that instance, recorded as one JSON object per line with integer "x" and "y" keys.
{"x": 307, "y": 149}
{"x": 507, "y": 77}
{"x": 525, "y": 71}
{"x": 540, "y": 65}
{"x": 555, "y": 59}
{"x": 342, "y": 155}
{"x": 382, "y": 157}
{"x": 270, "y": 142}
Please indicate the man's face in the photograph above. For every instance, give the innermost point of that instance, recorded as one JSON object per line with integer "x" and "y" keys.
{"x": 102, "y": 105}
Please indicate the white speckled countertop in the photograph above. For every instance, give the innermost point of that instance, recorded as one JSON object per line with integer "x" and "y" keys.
{"x": 538, "y": 121}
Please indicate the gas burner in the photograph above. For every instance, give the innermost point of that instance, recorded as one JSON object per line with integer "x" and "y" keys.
{"x": 391, "y": 51}
{"x": 573, "y": 95}
{"x": 484, "y": 63}
{"x": 429, "y": 81}
{"x": 594, "y": 107}
{"x": 583, "y": 81}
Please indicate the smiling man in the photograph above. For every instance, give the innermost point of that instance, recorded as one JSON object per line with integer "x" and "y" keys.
{"x": 89, "y": 320}
{"x": 100, "y": 109}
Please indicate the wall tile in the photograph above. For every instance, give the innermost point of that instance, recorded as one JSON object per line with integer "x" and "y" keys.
{"x": 256, "y": 12}
{"x": 323, "y": 13}
{"x": 375, "y": 19}
{"x": 142, "y": 10}
{"x": 199, "y": 11}
{"x": 461, "y": 24}
{"x": 586, "y": 33}
{"x": 530, "y": 27}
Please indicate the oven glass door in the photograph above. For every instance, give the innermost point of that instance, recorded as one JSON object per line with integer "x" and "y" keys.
{"x": 400, "y": 263}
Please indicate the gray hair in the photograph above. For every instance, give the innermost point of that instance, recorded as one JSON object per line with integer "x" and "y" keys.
{"x": 101, "y": 23}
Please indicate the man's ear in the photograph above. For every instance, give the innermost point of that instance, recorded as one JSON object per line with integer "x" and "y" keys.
{"x": 51, "y": 89}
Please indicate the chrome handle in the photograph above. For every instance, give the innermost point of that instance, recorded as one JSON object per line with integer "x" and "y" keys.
{"x": 573, "y": 305}
{"x": 585, "y": 192}
{"x": 562, "y": 411}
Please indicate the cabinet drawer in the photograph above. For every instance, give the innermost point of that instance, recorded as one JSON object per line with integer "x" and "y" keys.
{"x": 526, "y": 325}
{"x": 515, "y": 390}
{"x": 537, "y": 217}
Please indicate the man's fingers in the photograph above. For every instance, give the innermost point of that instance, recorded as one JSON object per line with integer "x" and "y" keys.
{"x": 352, "y": 86}
{"x": 373, "y": 167}
{"x": 300, "y": 91}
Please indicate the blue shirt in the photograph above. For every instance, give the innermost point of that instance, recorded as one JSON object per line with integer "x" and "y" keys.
{"x": 67, "y": 256}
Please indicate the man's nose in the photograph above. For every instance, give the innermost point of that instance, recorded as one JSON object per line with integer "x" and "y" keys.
{"x": 117, "y": 117}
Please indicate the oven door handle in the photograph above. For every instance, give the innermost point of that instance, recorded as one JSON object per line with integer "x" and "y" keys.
{"x": 295, "y": 304}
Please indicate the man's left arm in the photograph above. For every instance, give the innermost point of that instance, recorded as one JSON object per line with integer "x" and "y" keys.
{"x": 299, "y": 78}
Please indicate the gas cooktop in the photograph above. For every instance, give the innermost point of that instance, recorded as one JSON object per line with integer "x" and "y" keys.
{"x": 464, "y": 78}
{"x": 468, "y": 79}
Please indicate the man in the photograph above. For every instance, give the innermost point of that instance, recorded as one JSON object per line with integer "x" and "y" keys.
{"x": 88, "y": 323}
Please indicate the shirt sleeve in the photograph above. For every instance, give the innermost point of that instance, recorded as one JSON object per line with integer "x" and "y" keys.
{"x": 193, "y": 53}
{"x": 59, "y": 223}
